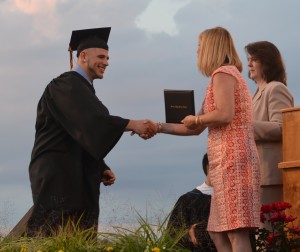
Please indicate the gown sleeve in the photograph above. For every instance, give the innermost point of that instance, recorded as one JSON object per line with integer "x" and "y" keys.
{"x": 77, "y": 109}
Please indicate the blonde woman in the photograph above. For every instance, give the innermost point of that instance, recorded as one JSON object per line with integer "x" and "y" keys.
{"x": 232, "y": 154}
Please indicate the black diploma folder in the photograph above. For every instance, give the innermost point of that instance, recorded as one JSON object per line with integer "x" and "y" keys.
{"x": 178, "y": 104}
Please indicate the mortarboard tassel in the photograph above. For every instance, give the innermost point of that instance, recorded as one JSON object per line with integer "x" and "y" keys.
{"x": 71, "y": 58}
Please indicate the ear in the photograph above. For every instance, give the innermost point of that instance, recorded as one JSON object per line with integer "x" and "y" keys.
{"x": 83, "y": 56}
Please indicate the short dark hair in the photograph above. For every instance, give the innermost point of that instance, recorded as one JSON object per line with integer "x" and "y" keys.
{"x": 273, "y": 68}
{"x": 205, "y": 163}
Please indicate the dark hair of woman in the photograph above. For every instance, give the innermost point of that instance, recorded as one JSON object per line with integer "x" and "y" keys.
{"x": 273, "y": 67}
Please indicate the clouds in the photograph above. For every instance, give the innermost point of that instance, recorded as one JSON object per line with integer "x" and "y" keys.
{"x": 44, "y": 20}
{"x": 32, "y": 7}
{"x": 158, "y": 17}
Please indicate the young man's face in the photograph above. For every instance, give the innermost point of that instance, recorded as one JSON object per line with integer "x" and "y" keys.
{"x": 96, "y": 62}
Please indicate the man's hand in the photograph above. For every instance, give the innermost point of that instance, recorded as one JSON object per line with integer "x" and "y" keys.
{"x": 192, "y": 235}
{"x": 108, "y": 177}
{"x": 144, "y": 128}
{"x": 151, "y": 131}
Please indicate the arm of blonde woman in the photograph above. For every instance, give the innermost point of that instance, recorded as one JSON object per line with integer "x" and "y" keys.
{"x": 179, "y": 129}
{"x": 223, "y": 89}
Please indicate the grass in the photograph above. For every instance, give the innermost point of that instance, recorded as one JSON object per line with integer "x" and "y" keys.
{"x": 145, "y": 237}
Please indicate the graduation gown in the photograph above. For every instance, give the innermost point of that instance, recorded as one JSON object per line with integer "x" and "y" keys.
{"x": 74, "y": 132}
{"x": 192, "y": 208}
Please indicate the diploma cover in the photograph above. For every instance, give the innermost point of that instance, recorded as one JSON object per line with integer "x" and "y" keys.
{"x": 178, "y": 104}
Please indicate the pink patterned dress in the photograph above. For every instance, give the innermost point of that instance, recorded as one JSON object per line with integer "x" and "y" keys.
{"x": 233, "y": 162}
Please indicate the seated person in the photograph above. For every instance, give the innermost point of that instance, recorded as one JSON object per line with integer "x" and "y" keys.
{"x": 191, "y": 212}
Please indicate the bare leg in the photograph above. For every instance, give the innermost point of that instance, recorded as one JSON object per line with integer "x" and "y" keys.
{"x": 240, "y": 240}
{"x": 221, "y": 241}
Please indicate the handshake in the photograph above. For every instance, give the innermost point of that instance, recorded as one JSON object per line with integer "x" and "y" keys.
{"x": 144, "y": 128}
{"x": 147, "y": 128}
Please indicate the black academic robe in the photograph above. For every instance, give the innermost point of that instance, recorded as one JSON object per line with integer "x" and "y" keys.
{"x": 74, "y": 132}
{"x": 192, "y": 208}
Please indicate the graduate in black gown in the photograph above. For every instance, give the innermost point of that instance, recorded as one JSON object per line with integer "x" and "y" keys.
{"x": 74, "y": 133}
{"x": 191, "y": 213}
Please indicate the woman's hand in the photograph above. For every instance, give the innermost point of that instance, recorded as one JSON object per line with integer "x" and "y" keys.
{"x": 190, "y": 122}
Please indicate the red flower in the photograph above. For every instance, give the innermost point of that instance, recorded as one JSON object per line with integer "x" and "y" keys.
{"x": 280, "y": 206}
{"x": 289, "y": 219}
{"x": 266, "y": 209}
{"x": 281, "y": 237}
{"x": 280, "y": 217}
{"x": 271, "y": 238}
{"x": 294, "y": 230}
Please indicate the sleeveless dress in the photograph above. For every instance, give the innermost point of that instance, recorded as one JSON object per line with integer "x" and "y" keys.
{"x": 233, "y": 162}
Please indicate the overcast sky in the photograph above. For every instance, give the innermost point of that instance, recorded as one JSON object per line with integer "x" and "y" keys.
{"x": 153, "y": 47}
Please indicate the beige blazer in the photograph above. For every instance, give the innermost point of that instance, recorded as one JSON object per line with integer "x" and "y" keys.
{"x": 267, "y": 104}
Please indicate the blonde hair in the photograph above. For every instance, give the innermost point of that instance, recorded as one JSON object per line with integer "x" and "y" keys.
{"x": 216, "y": 49}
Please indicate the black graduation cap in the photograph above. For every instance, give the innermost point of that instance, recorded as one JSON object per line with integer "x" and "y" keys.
{"x": 88, "y": 38}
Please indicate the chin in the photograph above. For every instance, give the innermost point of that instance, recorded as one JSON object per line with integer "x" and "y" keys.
{"x": 99, "y": 77}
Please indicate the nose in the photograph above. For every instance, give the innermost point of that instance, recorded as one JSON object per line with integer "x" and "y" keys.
{"x": 105, "y": 62}
{"x": 249, "y": 63}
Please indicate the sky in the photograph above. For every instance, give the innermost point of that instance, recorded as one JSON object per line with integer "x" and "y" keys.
{"x": 153, "y": 46}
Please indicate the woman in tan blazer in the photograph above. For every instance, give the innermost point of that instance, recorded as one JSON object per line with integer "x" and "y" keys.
{"x": 266, "y": 68}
